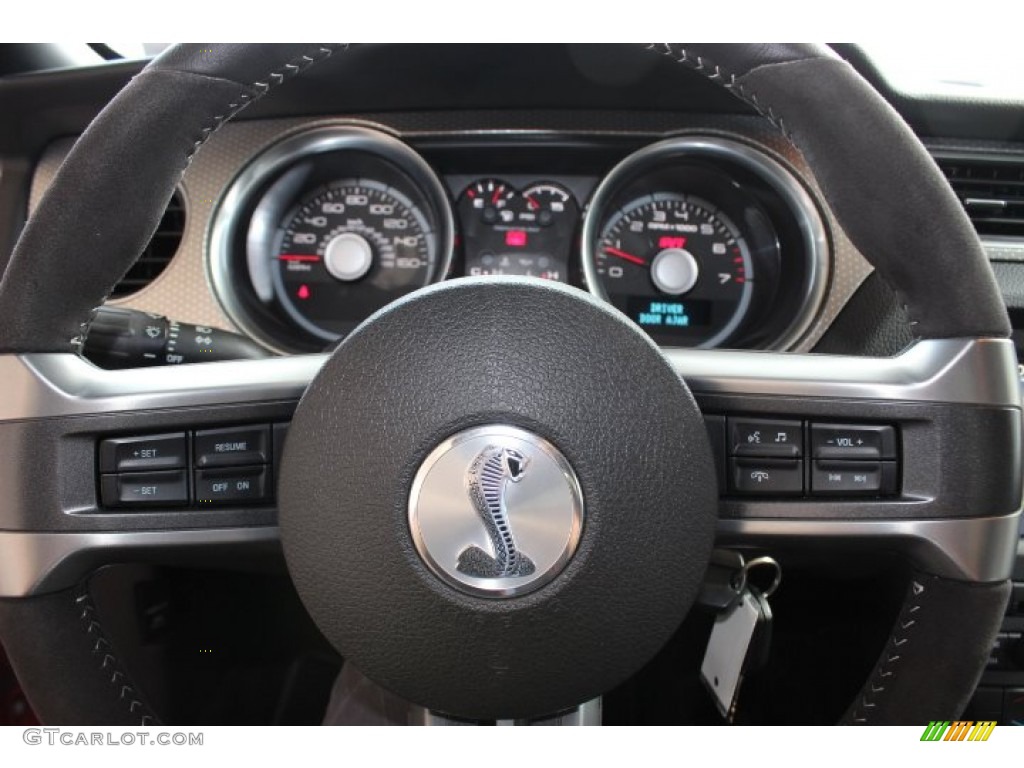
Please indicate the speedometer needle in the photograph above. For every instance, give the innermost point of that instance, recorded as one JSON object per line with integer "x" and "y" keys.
{"x": 623, "y": 255}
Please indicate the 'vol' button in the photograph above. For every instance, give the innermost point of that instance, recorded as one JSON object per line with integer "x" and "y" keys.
{"x": 232, "y": 447}
{"x": 853, "y": 441}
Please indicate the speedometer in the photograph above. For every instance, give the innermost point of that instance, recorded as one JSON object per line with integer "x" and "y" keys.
{"x": 677, "y": 267}
{"x": 324, "y": 228}
{"x": 348, "y": 249}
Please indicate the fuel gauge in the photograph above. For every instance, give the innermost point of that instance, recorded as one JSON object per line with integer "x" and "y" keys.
{"x": 488, "y": 200}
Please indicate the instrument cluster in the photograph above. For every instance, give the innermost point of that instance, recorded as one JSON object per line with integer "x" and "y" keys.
{"x": 702, "y": 241}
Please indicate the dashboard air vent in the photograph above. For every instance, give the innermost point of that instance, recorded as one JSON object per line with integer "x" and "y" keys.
{"x": 158, "y": 253}
{"x": 991, "y": 191}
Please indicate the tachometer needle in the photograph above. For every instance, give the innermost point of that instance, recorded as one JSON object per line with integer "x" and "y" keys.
{"x": 298, "y": 257}
{"x": 623, "y": 255}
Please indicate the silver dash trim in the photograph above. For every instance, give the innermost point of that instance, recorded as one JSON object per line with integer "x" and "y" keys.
{"x": 959, "y": 371}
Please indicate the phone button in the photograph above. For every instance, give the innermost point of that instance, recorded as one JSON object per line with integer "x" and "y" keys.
{"x": 766, "y": 477}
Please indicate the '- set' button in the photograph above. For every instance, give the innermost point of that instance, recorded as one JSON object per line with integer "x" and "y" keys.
{"x": 145, "y": 489}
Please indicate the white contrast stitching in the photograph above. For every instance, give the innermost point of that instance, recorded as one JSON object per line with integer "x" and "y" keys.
{"x": 884, "y": 669}
{"x": 102, "y": 646}
{"x": 713, "y": 71}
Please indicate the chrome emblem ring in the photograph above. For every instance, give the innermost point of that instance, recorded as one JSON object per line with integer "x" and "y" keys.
{"x": 496, "y": 511}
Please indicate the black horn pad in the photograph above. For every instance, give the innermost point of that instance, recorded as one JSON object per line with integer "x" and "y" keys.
{"x": 539, "y": 357}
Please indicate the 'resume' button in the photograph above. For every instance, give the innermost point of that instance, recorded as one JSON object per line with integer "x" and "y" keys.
{"x": 232, "y": 447}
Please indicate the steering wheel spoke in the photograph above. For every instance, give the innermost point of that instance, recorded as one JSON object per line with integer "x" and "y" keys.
{"x": 937, "y": 395}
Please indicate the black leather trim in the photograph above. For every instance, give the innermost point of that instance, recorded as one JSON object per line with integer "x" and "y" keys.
{"x": 66, "y": 663}
{"x": 935, "y": 655}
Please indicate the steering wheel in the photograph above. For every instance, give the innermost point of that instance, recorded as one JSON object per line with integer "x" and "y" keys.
{"x": 529, "y": 382}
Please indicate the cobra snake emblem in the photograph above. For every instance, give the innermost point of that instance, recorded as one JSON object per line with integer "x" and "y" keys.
{"x": 487, "y": 480}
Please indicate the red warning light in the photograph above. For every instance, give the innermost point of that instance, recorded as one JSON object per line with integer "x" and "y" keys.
{"x": 303, "y": 292}
{"x": 672, "y": 242}
{"x": 515, "y": 238}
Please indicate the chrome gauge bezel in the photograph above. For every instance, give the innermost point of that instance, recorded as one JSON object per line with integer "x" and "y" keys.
{"x": 243, "y": 205}
{"x": 742, "y": 306}
{"x": 774, "y": 174}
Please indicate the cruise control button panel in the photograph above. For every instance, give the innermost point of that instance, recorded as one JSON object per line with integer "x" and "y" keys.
{"x": 195, "y": 469}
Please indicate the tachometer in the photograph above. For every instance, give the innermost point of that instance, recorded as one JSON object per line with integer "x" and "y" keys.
{"x": 677, "y": 267}
{"x": 348, "y": 249}
{"x": 703, "y": 241}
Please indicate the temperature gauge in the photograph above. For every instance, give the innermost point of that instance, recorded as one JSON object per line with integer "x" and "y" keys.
{"x": 547, "y": 203}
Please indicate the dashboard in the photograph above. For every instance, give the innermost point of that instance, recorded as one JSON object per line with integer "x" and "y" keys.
{"x": 712, "y": 235}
